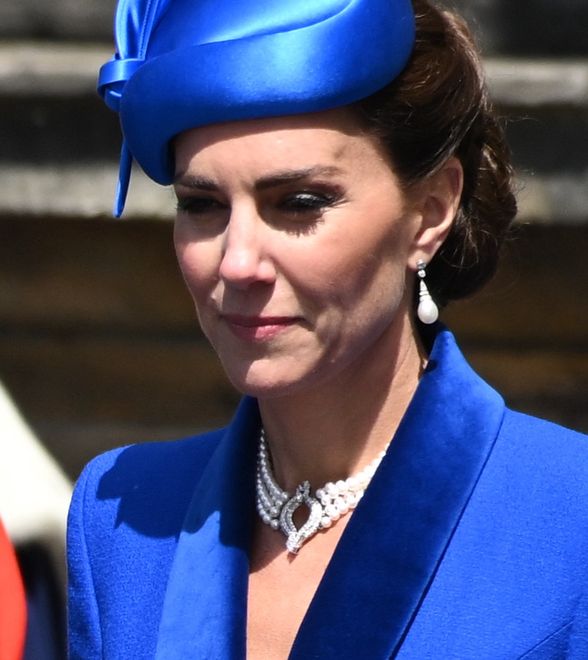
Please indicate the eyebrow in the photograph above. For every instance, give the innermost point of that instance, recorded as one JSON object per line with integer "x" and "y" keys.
{"x": 191, "y": 181}
{"x": 271, "y": 181}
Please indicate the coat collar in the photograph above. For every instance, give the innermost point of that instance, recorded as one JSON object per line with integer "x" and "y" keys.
{"x": 390, "y": 549}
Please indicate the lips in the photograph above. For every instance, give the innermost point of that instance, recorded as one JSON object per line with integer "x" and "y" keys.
{"x": 257, "y": 328}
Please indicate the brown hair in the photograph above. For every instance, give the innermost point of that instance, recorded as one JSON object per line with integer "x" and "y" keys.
{"x": 438, "y": 108}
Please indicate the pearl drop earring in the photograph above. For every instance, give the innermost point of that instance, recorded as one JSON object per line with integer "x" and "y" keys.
{"x": 427, "y": 311}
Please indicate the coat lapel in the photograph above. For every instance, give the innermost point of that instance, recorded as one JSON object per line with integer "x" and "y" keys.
{"x": 388, "y": 554}
{"x": 204, "y": 611}
{"x": 392, "y": 546}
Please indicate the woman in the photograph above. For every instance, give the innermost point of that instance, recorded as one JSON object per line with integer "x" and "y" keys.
{"x": 373, "y": 497}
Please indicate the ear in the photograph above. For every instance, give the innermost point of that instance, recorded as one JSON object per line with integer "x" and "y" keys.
{"x": 439, "y": 198}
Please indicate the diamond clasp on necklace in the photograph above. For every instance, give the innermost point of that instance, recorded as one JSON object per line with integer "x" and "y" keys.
{"x": 276, "y": 507}
{"x": 297, "y": 536}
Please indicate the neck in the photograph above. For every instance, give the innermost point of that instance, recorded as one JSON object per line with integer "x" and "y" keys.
{"x": 336, "y": 428}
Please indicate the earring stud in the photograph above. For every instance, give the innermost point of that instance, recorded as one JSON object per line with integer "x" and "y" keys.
{"x": 427, "y": 311}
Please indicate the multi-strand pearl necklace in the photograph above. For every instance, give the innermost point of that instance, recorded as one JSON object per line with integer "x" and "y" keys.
{"x": 276, "y": 507}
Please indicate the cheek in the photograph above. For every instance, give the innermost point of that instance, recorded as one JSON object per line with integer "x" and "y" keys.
{"x": 369, "y": 261}
{"x": 373, "y": 290}
{"x": 197, "y": 264}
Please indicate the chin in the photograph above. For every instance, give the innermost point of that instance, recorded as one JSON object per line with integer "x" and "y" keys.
{"x": 266, "y": 382}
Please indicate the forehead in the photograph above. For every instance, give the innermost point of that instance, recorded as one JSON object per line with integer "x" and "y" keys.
{"x": 333, "y": 135}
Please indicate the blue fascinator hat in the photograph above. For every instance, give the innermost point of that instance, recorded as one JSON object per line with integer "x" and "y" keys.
{"x": 180, "y": 64}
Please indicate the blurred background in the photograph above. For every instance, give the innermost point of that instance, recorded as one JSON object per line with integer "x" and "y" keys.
{"x": 98, "y": 340}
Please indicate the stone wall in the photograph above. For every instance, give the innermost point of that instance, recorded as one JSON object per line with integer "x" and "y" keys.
{"x": 98, "y": 340}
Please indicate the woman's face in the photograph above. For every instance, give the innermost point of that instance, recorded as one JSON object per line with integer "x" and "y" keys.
{"x": 294, "y": 239}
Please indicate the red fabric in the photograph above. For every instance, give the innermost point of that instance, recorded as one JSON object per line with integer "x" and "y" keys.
{"x": 13, "y": 617}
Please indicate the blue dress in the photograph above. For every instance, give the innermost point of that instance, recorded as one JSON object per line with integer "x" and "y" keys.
{"x": 469, "y": 544}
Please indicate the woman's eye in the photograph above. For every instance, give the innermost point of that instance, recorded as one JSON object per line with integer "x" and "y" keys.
{"x": 198, "y": 205}
{"x": 307, "y": 202}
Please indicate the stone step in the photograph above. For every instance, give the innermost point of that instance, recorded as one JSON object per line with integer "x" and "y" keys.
{"x": 60, "y": 144}
{"x": 528, "y": 27}
{"x": 99, "y": 343}
{"x": 86, "y": 398}
{"x": 81, "y": 279}
{"x": 87, "y": 191}
{"x": 66, "y": 70}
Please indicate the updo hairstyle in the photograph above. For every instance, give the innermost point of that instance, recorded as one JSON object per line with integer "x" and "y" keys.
{"x": 439, "y": 108}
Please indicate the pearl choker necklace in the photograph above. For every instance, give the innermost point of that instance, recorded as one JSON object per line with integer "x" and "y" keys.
{"x": 276, "y": 507}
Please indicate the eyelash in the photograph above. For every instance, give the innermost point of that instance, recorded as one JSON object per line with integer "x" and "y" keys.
{"x": 305, "y": 204}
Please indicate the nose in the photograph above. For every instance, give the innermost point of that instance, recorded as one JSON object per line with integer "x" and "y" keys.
{"x": 244, "y": 260}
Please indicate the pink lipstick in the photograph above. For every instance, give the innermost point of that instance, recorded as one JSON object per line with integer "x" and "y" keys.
{"x": 257, "y": 328}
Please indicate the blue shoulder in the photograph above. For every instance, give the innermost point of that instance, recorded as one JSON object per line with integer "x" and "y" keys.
{"x": 153, "y": 482}
{"x": 125, "y": 517}
{"x": 543, "y": 428}
{"x": 550, "y": 458}
{"x": 533, "y": 432}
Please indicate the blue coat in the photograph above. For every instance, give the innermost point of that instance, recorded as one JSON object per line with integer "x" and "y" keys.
{"x": 469, "y": 544}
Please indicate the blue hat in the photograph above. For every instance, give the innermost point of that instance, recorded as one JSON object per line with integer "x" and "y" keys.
{"x": 180, "y": 64}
